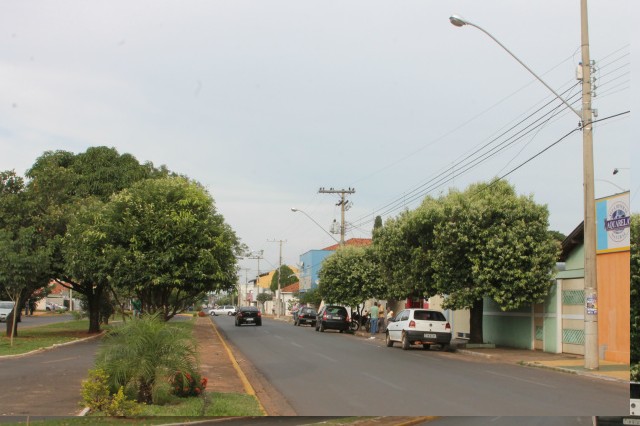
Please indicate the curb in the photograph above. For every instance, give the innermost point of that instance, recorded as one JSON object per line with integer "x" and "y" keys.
{"x": 56, "y": 345}
{"x": 536, "y": 364}
{"x": 249, "y": 389}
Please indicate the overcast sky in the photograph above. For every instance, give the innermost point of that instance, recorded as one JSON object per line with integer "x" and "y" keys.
{"x": 265, "y": 101}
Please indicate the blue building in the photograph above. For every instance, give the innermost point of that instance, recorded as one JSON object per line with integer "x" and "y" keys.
{"x": 311, "y": 261}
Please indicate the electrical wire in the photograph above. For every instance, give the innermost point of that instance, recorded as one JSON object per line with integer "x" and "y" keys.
{"x": 402, "y": 200}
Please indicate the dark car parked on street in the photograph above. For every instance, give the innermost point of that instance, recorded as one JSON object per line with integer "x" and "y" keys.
{"x": 248, "y": 315}
{"x": 332, "y": 318}
{"x": 306, "y": 315}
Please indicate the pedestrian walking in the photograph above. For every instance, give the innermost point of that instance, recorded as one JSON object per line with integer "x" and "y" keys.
{"x": 373, "y": 319}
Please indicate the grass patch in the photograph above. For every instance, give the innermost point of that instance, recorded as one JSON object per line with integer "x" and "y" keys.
{"x": 217, "y": 404}
{"x": 33, "y": 338}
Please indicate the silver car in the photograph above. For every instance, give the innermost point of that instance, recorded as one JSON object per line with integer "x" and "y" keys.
{"x": 223, "y": 310}
{"x": 5, "y": 310}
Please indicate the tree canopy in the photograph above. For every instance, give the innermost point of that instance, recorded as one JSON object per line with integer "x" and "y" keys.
{"x": 350, "y": 276}
{"x": 286, "y": 277}
{"x": 483, "y": 242}
{"x": 169, "y": 244}
{"x": 100, "y": 220}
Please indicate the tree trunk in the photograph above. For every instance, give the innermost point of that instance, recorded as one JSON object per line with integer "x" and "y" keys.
{"x": 475, "y": 322}
{"x": 12, "y": 326}
{"x": 93, "y": 300}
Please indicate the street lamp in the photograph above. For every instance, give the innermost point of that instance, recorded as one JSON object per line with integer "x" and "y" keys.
{"x": 293, "y": 209}
{"x": 591, "y": 357}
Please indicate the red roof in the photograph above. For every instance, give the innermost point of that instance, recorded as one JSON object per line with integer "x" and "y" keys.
{"x": 291, "y": 288}
{"x": 353, "y": 242}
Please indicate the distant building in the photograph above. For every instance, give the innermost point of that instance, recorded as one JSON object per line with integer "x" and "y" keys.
{"x": 311, "y": 261}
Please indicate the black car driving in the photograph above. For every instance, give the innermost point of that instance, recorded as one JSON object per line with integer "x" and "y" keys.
{"x": 248, "y": 315}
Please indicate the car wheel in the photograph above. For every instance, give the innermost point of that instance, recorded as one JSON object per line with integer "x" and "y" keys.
{"x": 444, "y": 347}
{"x": 389, "y": 341}
{"x": 259, "y": 323}
{"x": 321, "y": 327}
{"x": 341, "y": 331}
{"x": 405, "y": 342}
{"x": 426, "y": 346}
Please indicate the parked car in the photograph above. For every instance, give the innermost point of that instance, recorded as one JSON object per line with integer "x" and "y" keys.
{"x": 419, "y": 327}
{"x": 248, "y": 315}
{"x": 332, "y": 318}
{"x": 5, "y": 309}
{"x": 223, "y": 310}
{"x": 306, "y": 315}
{"x": 54, "y": 307}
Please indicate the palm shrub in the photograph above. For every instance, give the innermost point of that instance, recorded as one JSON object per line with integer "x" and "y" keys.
{"x": 145, "y": 353}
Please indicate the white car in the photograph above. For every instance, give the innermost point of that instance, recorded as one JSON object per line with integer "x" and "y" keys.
{"x": 223, "y": 310}
{"x": 424, "y": 327}
{"x": 5, "y": 310}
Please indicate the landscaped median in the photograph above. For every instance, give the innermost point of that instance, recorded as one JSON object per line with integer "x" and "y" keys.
{"x": 171, "y": 387}
{"x": 45, "y": 336}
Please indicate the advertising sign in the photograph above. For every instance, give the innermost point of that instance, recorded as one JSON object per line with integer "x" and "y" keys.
{"x": 613, "y": 217}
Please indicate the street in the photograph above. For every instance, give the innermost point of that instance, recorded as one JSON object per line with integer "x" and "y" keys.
{"x": 344, "y": 375}
{"x": 54, "y": 376}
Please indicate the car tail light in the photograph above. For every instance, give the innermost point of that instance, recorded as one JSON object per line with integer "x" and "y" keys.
{"x": 324, "y": 316}
{"x": 239, "y": 314}
{"x": 447, "y": 327}
{"x": 259, "y": 313}
{"x": 412, "y": 324}
{"x": 348, "y": 318}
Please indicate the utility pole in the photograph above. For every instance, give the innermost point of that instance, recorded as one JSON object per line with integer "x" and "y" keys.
{"x": 278, "y": 301}
{"x": 343, "y": 206}
{"x": 257, "y": 255}
{"x": 591, "y": 352}
{"x": 240, "y": 303}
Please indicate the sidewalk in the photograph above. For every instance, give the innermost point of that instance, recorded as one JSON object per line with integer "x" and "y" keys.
{"x": 566, "y": 363}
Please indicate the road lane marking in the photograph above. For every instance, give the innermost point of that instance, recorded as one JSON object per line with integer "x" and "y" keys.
{"x": 522, "y": 380}
{"x": 386, "y": 383}
{"x": 297, "y": 345}
{"x": 327, "y": 357}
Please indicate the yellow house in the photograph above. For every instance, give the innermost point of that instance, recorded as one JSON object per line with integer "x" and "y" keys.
{"x": 264, "y": 281}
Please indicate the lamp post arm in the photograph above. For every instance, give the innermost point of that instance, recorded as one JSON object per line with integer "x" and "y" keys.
{"x": 314, "y": 221}
{"x": 527, "y": 68}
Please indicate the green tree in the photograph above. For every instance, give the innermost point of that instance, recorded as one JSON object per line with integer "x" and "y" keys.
{"x": 405, "y": 248}
{"x": 264, "y": 297}
{"x": 310, "y": 297}
{"x": 168, "y": 243}
{"x": 635, "y": 296}
{"x": 24, "y": 253}
{"x": 144, "y": 353}
{"x": 492, "y": 243}
{"x": 61, "y": 184}
{"x": 350, "y": 276}
{"x": 284, "y": 274}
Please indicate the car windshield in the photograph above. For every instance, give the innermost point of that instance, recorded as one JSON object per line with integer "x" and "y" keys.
{"x": 6, "y": 305}
{"x": 428, "y": 316}
{"x": 249, "y": 309}
{"x": 336, "y": 310}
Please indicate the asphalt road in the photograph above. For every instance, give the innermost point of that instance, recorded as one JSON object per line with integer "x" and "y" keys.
{"x": 54, "y": 376}
{"x": 340, "y": 374}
